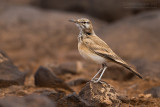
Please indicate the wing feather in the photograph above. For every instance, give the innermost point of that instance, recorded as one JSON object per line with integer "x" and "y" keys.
{"x": 99, "y": 47}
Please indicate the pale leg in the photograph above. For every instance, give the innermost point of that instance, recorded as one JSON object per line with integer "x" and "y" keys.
{"x": 96, "y": 74}
{"x": 101, "y": 74}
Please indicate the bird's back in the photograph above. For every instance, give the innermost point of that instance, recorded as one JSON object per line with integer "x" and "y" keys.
{"x": 99, "y": 47}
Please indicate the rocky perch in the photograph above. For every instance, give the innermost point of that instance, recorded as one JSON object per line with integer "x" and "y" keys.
{"x": 9, "y": 73}
{"x": 99, "y": 94}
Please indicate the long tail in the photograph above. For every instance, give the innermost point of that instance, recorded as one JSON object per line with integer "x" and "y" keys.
{"x": 113, "y": 57}
{"x": 131, "y": 69}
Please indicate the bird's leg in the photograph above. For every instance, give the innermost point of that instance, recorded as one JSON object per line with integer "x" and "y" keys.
{"x": 104, "y": 68}
{"x": 96, "y": 74}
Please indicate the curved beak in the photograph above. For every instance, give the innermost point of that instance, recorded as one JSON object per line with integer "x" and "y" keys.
{"x": 72, "y": 20}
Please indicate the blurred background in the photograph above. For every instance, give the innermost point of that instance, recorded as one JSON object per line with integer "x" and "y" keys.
{"x": 37, "y": 32}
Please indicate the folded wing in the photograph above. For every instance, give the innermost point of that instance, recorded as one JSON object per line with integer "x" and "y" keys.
{"x": 99, "y": 47}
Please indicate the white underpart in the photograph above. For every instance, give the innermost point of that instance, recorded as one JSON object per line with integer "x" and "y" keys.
{"x": 92, "y": 57}
{"x": 97, "y": 59}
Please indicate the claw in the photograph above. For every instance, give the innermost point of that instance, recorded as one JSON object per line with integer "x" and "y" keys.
{"x": 95, "y": 80}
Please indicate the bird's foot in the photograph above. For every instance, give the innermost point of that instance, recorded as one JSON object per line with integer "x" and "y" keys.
{"x": 95, "y": 80}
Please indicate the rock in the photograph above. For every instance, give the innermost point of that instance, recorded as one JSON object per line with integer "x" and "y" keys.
{"x": 9, "y": 73}
{"x": 99, "y": 94}
{"x": 155, "y": 92}
{"x": 71, "y": 100}
{"x": 55, "y": 96}
{"x": 30, "y": 100}
{"x": 124, "y": 99}
{"x": 76, "y": 82}
{"x": 66, "y": 68}
{"x": 46, "y": 78}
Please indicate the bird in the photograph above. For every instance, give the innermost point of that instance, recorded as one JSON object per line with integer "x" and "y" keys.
{"x": 93, "y": 48}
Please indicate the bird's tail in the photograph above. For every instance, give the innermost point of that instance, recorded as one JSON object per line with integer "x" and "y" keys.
{"x": 131, "y": 69}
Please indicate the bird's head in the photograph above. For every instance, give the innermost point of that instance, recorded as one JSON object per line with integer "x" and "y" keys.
{"x": 84, "y": 25}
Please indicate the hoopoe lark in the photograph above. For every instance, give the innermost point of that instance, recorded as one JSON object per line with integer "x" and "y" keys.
{"x": 91, "y": 47}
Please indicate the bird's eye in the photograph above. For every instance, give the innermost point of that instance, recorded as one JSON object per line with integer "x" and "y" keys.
{"x": 86, "y": 22}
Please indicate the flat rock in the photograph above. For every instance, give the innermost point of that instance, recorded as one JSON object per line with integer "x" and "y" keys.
{"x": 27, "y": 101}
{"x": 46, "y": 78}
{"x": 155, "y": 92}
{"x": 9, "y": 73}
{"x": 99, "y": 94}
